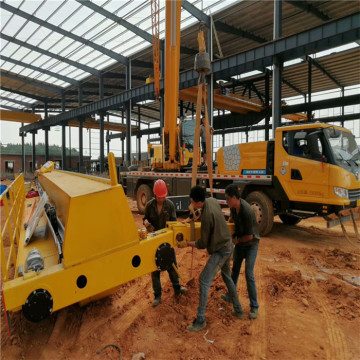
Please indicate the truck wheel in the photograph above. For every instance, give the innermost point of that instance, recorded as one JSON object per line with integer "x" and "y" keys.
{"x": 143, "y": 195}
{"x": 264, "y": 211}
{"x": 290, "y": 219}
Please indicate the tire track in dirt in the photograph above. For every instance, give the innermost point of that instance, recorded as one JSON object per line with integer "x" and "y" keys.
{"x": 337, "y": 348}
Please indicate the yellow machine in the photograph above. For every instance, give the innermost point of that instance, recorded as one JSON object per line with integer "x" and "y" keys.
{"x": 84, "y": 246}
{"x": 307, "y": 170}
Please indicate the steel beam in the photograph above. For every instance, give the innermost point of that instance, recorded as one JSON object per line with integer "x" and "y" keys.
{"x": 41, "y": 70}
{"x": 76, "y": 64}
{"x": 12, "y": 108}
{"x": 321, "y": 104}
{"x": 194, "y": 11}
{"x": 112, "y": 54}
{"x": 134, "y": 29}
{"x": 113, "y": 75}
{"x": 23, "y": 103}
{"x": 320, "y": 38}
{"x": 310, "y": 8}
{"x": 220, "y": 26}
{"x": 325, "y": 72}
{"x": 32, "y": 82}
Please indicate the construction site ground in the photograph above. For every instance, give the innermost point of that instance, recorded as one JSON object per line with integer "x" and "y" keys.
{"x": 308, "y": 289}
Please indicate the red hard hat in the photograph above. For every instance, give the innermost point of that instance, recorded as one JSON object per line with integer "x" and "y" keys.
{"x": 160, "y": 189}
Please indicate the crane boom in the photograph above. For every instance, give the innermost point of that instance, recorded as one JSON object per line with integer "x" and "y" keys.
{"x": 172, "y": 62}
{"x": 155, "y": 23}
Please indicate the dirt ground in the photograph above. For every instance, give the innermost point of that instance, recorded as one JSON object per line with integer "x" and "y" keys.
{"x": 308, "y": 289}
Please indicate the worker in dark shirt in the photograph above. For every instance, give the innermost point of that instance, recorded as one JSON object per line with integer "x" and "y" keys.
{"x": 216, "y": 238}
{"x": 157, "y": 212}
{"x": 246, "y": 239}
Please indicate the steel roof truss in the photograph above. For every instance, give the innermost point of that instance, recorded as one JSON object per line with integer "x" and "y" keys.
{"x": 112, "y": 54}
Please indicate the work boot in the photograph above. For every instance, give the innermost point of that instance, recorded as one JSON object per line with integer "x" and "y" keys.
{"x": 226, "y": 297}
{"x": 239, "y": 315}
{"x": 156, "y": 302}
{"x": 253, "y": 313}
{"x": 197, "y": 325}
{"x": 180, "y": 291}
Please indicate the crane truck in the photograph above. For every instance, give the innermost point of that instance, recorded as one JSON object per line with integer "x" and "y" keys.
{"x": 308, "y": 169}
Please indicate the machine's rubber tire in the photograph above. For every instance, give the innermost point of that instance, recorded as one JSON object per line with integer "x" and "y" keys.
{"x": 264, "y": 211}
{"x": 143, "y": 195}
{"x": 289, "y": 219}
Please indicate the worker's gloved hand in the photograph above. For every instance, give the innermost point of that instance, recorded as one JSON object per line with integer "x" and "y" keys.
{"x": 148, "y": 226}
{"x": 182, "y": 244}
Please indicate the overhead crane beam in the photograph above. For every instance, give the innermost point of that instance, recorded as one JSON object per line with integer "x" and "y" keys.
{"x": 18, "y": 116}
{"x": 15, "y": 115}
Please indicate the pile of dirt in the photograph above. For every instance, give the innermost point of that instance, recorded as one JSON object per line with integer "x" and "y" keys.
{"x": 286, "y": 284}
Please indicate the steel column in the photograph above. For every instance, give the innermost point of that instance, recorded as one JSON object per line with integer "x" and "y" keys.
{"x": 46, "y": 133}
{"x": 63, "y": 135}
{"x": 33, "y": 151}
{"x": 138, "y": 136}
{"x": 309, "y": 90}
{"x": 277, "y": 69}
{"x": 107, "y": 134}
{"x": 267, "y": 104}
{"x": 101, "y": 143}
{"x": 23, "y": 154}
{"x": 81, "y": 154}
{"x": 128, "y": 115}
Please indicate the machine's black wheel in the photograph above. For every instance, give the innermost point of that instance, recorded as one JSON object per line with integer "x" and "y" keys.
{"x": 164, "y": 256}
{"x": 290, "y": 219}
{"x": 38, "y": 305}
{"x": 143, "y": 195}
{"x": 264, "y": 211}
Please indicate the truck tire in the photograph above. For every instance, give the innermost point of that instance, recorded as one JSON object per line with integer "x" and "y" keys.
{"x": 264, "y": 211}
{"x": 290, "y": 219}
{"x": 143, "y": 195}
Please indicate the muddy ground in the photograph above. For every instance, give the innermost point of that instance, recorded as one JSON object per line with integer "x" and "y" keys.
{"x": 308, "y": 288}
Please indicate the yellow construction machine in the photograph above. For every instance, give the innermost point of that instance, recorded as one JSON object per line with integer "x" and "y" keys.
{"x": 80, "y": 244}
{"x": 310, "y": 169}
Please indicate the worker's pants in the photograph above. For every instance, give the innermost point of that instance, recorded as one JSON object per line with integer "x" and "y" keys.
{"x": 249, "y": 254}
{"x": 156, "y": 283}
{"x": 219, "y": 260}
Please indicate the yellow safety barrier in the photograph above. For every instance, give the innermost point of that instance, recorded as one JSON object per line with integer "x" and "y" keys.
{"x": 13, "y": 205}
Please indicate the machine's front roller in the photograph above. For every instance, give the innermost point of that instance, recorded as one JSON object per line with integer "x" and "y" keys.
{"x": 38, "y": 305}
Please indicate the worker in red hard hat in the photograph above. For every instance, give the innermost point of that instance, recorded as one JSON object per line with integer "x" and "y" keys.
{"x": 157, "y": 212}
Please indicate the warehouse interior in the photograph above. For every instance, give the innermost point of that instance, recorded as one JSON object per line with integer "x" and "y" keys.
{"x": 89, "y": 70}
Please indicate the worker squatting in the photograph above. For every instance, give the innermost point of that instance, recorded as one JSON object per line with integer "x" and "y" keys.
{"x": 219, "y": 243}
